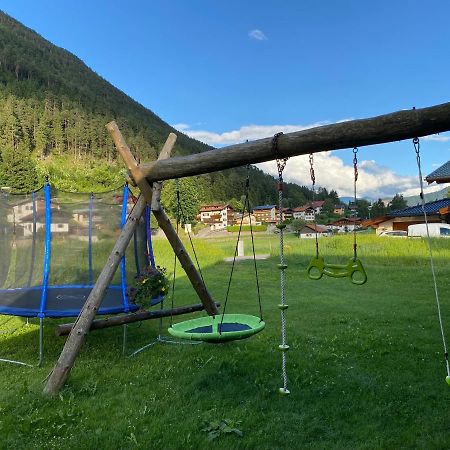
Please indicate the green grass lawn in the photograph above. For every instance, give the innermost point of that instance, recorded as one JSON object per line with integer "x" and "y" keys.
{"x": 365, "y": 367}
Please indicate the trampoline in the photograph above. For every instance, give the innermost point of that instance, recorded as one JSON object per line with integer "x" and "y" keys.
{"x": 53, "y": 246}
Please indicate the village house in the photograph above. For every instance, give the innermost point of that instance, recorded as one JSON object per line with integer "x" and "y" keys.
{"x": 318, "y": 206}
{"x": 304, "y": 213}
{"x": 437, "y": 212}
{"x": 265, "y": 213}
{"x": 310, "y": 230}
{"x": 339, "y": 210}
{"x": 345, "y": 224}
{"x": 217, "y": 216}
{"x": 287, "y": 213}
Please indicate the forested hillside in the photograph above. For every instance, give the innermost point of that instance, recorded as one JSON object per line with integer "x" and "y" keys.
{"x": 53, "y": 111}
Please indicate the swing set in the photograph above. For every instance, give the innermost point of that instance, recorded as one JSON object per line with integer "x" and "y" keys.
{"x": 148, "y": 177}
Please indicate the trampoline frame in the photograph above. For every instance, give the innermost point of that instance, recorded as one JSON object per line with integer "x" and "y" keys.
{"x": 45, "y": 288}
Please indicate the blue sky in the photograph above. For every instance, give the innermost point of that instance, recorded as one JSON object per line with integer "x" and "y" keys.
{"x": 227, "y": 71}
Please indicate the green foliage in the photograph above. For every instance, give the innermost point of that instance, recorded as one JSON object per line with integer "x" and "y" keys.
{"x": 360, "y": 360}
{"x": 217, "y": 428}
{"x": 378, "y": 208}
{"x": 397, "y": 202}
{"x": 150, "y": 283}
{"x": 255, "y": 228}
{"x": 297, "y": 225}
{"x": 17, "y": 170}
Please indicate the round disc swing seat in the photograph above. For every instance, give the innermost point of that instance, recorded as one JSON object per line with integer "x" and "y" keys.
{"x": 221, "y": 327}
{"x": 228, "y": 327}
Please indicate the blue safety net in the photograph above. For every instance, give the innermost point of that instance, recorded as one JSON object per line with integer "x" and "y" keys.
{"x": 54, "y": 244}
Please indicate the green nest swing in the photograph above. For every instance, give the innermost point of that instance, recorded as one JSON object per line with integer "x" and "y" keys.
{"x": 220, "y": 328}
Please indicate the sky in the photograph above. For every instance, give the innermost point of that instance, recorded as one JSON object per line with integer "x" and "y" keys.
{"x": 227, "y": 71}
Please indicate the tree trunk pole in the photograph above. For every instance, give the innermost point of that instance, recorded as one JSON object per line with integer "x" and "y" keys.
{"x": 77, "y": 336}
{"x": 353, "y": 133}
{"x": 161, "y": 216}
{"x": 83, "y": 323}
{"x": 114, "y": 321}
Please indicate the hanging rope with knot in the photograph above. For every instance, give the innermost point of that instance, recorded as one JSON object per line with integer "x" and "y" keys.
{"x": 355, "y": 209}
{"x": 281, "y": 164}
{"x": 416, "y": 143}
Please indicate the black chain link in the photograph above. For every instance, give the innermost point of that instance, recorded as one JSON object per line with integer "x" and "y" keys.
{"x": 355, "y": 162}
{"x": 281, "y": 162}
{"x": 311, "y": 169}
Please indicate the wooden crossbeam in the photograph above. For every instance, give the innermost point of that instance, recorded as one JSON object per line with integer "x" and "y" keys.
{"x": 353, "y": 133}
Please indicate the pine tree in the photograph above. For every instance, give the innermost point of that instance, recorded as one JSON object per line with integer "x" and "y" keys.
{"x": 17, "y": 170}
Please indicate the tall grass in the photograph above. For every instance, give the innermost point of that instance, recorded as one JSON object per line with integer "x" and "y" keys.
{"x": 365, "y": 366}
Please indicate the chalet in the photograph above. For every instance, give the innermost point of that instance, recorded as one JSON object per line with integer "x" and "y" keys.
{"x": 265, "y": 213}
{"x": 24, "y": 214}
{"x": 218, "y": 216}
{"x": 440, "y": 175}
{"x": 339, "y": 210}
{"x": 304, "y": 213}
{"x": 309, "y": 231}
{"x": 345, "y": 224}
{"x": 247, "y": 220}
{"x": 437, "y": 212}
{"x": 287, "y": 213}
{"x": 318, "y": 206}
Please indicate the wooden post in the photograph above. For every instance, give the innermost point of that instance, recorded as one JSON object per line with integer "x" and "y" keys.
{"x": 114, "y": 321}
{"x": 161, "y": 217}
{"x": 83, "y": 323}
{"x": 353, "y": 133}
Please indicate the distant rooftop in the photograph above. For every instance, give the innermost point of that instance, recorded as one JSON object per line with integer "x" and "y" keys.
{"x": 430, "y": 208}
{"x": 440, "y": 175}
{"x": 256, "y": 208}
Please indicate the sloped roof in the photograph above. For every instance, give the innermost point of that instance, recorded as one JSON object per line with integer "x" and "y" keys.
{"x": 258, "y": 208}
{"x": 346, "y": 220}
{"x": 303, "y": 208}
{"x": 430, "y": 208}
{"x": 313, "y": 227}
{"x": 207, "y": 208}
{"x": 440, "y": 175}
{"x": 317, "y": 203}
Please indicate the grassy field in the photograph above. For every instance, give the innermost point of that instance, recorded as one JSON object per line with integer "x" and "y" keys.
{"x": 365, "y": 366}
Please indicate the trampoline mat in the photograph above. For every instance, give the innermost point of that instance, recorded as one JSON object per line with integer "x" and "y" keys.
{"x": 62, "y": 301}
{"x": 222, "y": 328}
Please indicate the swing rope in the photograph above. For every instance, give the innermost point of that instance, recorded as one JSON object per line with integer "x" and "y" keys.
{"x": 313, "y": 188}
{"x": 416, "y": 143}
{"x": 355, "y": 212}
{"x": 246, "y": 207}
{"x": 281, "y": 164}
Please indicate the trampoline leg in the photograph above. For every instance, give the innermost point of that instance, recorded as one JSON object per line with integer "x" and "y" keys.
{"x": 41, "y": 341}
{"x": 124, "y": 339}
{"x": 41, "y": 348}
{"x": 160, "y": 339}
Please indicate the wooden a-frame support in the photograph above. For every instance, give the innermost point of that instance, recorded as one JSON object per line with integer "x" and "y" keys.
{"x": 392, "y": 127}
{"x": 84, "y": 321}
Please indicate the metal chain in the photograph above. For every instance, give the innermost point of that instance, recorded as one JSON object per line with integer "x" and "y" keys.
{"x": 355, "y": 169}
{"x": 313, "y": 188}
{"x": 416, "y": 143}
{"x": 281, "y": 164}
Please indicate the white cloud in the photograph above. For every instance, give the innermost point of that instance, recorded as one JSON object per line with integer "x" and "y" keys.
{"x": 248, "y": 132}
{"x": 257, "y": 35}
{"x": 181, "y": 126}
{"x": 374, "y": 181}
{"x": 436, "y": 137}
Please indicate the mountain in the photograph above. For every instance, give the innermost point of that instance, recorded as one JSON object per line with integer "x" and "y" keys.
{"x": 53, "y": 111}
{"x": 431, "y": 197}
